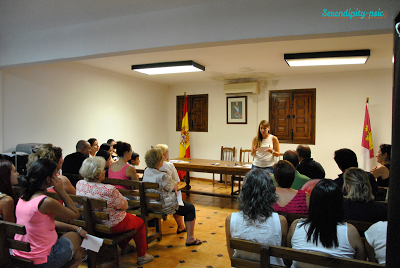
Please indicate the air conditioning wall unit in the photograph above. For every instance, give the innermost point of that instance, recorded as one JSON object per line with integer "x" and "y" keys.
{"x": 241, "y": 88}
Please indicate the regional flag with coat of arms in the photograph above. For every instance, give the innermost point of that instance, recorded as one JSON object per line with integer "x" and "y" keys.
{"x": 366, "y": 142}
{"x": 184, "y": 147}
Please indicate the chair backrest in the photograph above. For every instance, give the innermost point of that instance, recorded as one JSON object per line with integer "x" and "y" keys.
{"x": 6, "y": 260}
{"x": 316, "y": 258}
{"x": 244, "y": 155}
{"x": 227, "y": 153}
{"x": 73, "y": 178}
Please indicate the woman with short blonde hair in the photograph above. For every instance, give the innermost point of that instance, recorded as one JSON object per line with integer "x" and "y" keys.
{"x": 168, "y": 166}
{"x": 359, "y": 203}
{"x": 168, "y": 189}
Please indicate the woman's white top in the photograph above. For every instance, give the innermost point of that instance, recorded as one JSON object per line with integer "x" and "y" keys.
{"x": 171, "y": 170}
{"x": 376, "y": 237}
{"x": 262, "y": 157}
{"x": 267, "y": 232}
{"x": 166, "y": 186}
{"x": 299, "y": 241}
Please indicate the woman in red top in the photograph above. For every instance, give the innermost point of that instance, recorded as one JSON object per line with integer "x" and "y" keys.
{"x": 289, "y": 200}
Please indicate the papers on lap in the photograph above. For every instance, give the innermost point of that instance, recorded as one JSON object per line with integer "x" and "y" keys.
{"x": 92, "y": 242}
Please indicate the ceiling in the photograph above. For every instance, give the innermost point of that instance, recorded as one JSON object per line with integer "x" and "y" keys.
{"x": 239, "y": 60}
{"x": 251, "y": 61}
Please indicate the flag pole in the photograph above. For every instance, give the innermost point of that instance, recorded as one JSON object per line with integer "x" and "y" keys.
{"x": 367, "y": 102}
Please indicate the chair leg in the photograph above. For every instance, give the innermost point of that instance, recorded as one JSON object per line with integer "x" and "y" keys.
{"x": 213, "y": 179}
{"x": 232, "y": 182}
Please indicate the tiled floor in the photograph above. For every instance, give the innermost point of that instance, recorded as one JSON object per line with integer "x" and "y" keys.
{"x": 211, "y": 213}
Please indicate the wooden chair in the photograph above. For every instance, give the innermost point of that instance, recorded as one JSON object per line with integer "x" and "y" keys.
{"x": 141, "y": 206}
{"x": 92, "y": 212}
{"x": 360, "y": 225}
{"x": 244, "y": 157}
{"x": 266, "y": 251}
{"x": 7, "y": 243}
{"x": 73, "y": 178}
{"x": 227, "y": 154}
{"x": 381, "y": 196}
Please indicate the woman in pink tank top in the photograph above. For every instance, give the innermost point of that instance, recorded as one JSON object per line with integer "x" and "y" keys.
{"x": 289, "y": 200}
{"x": 36, "y": 212}
{"x": 121, "y": 169}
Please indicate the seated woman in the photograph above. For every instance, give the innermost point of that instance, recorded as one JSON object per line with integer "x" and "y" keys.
{"x": 113, "y": 153}
{"x": 359, "y": 204}
{"x": 122, "y": 169}
{"x": 8, "y": 178}
{"x": 289, "y": 200}
{"x": 375, "y": 242}
{"x": 381, "y": 173}
{"x": 94, "y": 146}
{"x": 106, "y": 147}
{"x": 48, "y": 151}
{"x": 36, "y": 212}
{"x": 135, "y": 161}
{"x": 93, "y": 171}
{"x": 325, "y": 230}
{"x": 168, "y": 166}
{"x": 107, "y": 157}
{"x": 167, "y": 190}
{"x": 256, "y": 219}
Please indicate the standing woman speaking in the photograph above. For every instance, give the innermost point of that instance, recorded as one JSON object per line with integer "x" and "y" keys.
{"x": 264, "y": 147}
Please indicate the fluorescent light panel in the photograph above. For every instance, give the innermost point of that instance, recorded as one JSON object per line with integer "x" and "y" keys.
{"x": 169, "y": 67}
{"x": 328, "y": 58}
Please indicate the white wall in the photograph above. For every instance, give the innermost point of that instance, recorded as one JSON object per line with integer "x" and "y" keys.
{"x": 340, "y": 107}
{"x": 65, "y": 102}
{"x": 62, "y": 103}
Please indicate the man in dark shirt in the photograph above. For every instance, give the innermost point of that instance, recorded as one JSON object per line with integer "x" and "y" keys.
{"x": 346, "y": 158}
{"x": 308, "y": 166}
{"x": 73, "y": 162}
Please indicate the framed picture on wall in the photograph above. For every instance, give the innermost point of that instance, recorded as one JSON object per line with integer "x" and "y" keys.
{"x": 236, "y": 110}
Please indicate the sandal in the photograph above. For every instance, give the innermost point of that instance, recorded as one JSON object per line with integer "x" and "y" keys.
{"x": 179, "y": 232}
{"x": 194, "y": 243}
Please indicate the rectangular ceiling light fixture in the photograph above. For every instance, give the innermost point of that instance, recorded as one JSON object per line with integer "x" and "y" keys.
{"x": 169, "y": 67}
{"x": 328, "y": 58}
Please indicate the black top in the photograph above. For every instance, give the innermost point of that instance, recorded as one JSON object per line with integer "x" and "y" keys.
{"x": 73, "y": 162}
{"x": 311, "y": 169}
{"x": 367, "y": 212}
{"x": 374, "y": 185}
{"x": 384, "y": 183}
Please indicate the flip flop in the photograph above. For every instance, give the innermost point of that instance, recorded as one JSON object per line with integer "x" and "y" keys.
{"x": 194, "y": 243}
{"x": 179, "y": 232}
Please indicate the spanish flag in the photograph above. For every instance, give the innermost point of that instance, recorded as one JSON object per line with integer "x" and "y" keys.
{"x": 184, "y": 147}
{"x": 366, "y": 142}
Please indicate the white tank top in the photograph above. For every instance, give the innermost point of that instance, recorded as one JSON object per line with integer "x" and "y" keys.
{"x": 299, "y": 241}
{"x": 268, "y": 232}
{"x": 263, "y": 158}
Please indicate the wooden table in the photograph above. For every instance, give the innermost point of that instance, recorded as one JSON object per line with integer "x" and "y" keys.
{"x": 208, "y": 166}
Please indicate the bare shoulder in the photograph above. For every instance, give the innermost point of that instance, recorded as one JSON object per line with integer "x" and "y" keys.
{"x": 352, "y": 231}
{"x": 274, "y": 138}
{"x": 282, "y": 219}
{"x": 6, "y": 201}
